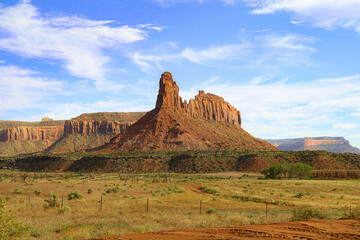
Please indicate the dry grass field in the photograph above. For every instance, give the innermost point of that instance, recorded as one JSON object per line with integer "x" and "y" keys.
{"x": 231, "y": 199}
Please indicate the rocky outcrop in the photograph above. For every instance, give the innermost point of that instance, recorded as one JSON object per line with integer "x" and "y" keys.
{"x": 94, "y": 126}
{"x": 206, "y": 122}
{"x": 212, "y": 107}
{"x": 30, "y": 133}
{"x": 207, "y": 106}
{"x": 90, "y": 130}
{"x": 330, "y": 144}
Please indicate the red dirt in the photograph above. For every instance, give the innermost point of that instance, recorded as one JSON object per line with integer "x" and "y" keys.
{"x": 307, "y": 230}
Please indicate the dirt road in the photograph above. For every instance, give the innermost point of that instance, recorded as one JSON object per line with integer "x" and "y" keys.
{"x": 306, "y": 230}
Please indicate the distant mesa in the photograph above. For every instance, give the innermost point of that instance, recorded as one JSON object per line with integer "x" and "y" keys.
{"x": 46, "y": 119}
{"x": 205, "y": 122}
{"x": 330, "y": 144}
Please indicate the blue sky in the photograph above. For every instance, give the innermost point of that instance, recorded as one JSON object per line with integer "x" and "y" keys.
{"x": 290, "y": 67}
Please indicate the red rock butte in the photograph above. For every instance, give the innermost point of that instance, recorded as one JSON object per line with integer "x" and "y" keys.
{"x": 205, "y": 122}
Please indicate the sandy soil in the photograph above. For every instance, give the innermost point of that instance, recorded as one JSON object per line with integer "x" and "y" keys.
{"x": 306, "y": 230}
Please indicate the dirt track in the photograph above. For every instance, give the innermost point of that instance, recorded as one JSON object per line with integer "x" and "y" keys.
{"x": 306, "y": 230}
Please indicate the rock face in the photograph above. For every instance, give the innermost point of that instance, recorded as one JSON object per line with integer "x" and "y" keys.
{"x": 212, "y": 107}
{"x": 90, "y": 130}
{"x": 207, "y": 106}
{"x": 95, "y": 126}
{"x": 206, "y": 122}
{"x": 23, "y": 133}
{"x": 28, "y": 137}
{"x": 330, "y": 144}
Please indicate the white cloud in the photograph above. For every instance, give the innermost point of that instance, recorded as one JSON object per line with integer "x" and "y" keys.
{"x": 284, "y": 109}
{"x": 23, "y": 88}
{"x": 265, "y": 50}
{"x": 345, "y": 126}
{"x": 225, "y": 52}
{"x": 322, "y": 13}
{"x": 76, "y": 41}
{"x": 289, "y": 41}
{"x": 63, "y": 111}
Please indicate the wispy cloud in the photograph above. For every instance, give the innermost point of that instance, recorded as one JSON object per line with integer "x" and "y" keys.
{"x": 322, "y": 13}
{"x": 70, "y": 110}
{"x": 22, "y": 88}
{"x": 225, "y": 52}
{"x": 289, "y": 49}
{"x": 283, "y": 109}
{"x": 77, "y": 42}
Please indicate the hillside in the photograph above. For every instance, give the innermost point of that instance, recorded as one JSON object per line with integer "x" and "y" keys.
{"x": 206, "y": 122}
{"x": 28, "y": 137}
{"x": 199, "y": 161}
{"x": 330, "y": 144}
{"x": 90, "y": 130}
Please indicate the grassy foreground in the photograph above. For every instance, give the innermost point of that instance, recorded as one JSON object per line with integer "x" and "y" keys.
{"x": 227, "y": 199}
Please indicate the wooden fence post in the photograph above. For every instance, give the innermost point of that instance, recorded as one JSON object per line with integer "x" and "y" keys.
{"x": 147, "y": 206}
{"x": 200, "y": 206}
{"x": 266, "y": 210}
{"x": 101, "y": 203}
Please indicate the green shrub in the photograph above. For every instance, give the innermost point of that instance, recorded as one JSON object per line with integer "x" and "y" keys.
{"x": 210, "y": 190}
{"x": 352, "y": 213}
{"x": 38, "y": 192}
{"x": 305, "y": 213}
{"x": 211, "y": 210}
{"x": 287, "y": 170}
{"x": 18, "y": 191}
{"x": 299, "y": 195}
{"x": 90, "y": 191}
{"x": 10, "y": 228}
{"x": 52, "y": 201}
{"x": 113, "y": 189}
{"x": 75, "y": 195}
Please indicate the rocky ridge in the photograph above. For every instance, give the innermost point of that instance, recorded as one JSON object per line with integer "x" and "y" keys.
{"x": 90, "y": 130}
{"x": 330, "y": 144}
{"x": 28, "y": 137}
{"x": 206, "y": 122}
{"x": 22, "y": 133}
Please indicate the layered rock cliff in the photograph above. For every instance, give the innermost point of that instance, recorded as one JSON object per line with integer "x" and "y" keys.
{"x": 90, "y": 130}
{"x": 23, "y": 133}
{"x": 330, "y": 144}
{"x": 206, "y": 122}
{"x": 95, "y": 126}
{"x": 28, "y": 137}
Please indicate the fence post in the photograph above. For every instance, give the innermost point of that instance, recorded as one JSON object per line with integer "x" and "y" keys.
{"x": 200, "y": 206}
{"x": 62, "y": 201}
{"x": 29, "y": 198}
{"x": 147, "y": 206}
{"x": 350, "y": 210}
{"x": 266, "y": 210}
{"x": 101, "y": 203}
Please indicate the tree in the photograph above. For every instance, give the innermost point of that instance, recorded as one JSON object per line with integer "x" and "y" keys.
{"x": 286, "y": 170}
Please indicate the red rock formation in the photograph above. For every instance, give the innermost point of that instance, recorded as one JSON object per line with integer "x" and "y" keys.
{"x": 207, "y": 122}
{"x": 94, "y": 126}
{"x": 212, "y": 107}
{"x": 330, "y": 144}
{"x": 207, "y": 106}
{"x": 23, "y": 133}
